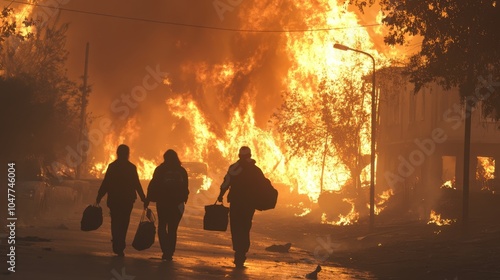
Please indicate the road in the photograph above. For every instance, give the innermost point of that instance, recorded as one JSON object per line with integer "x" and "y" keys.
{"x": 53, "y": 247}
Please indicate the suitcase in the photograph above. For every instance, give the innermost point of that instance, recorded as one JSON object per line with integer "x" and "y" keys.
{"x": 92, "y": 218}
{"x": 145, "y": 234}
{"x": 216, "y": 217}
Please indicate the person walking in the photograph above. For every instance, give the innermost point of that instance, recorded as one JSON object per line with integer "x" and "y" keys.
{"x": 240, "y": 179}
{"x": 121, "y": 184}
{"x": 169, "y": 189}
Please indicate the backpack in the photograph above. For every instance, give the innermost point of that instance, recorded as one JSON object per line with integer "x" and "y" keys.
{"x": 267, "y": 196}
{"x": 167, "y": 185}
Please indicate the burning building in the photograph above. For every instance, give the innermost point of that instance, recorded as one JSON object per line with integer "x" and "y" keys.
{"x": 421, "y": 144}
{"x": 165, "y": 75}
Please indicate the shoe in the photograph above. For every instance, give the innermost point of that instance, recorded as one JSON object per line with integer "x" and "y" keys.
{"x": 239, "y": 260}
{"x": 239, "y": 265}
{"x": 120, "y": 254}
{"x": 166, "y": 257}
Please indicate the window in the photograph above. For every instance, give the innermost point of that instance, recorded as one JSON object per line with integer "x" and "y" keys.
{"x": 449, "y": 164}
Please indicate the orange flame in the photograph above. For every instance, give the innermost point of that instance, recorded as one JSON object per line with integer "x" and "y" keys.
{"x": 346, "y": 220}
{"x": 437, "y": 220}
{"x": 312, "y": 58}
{"x": 380, "y": 205}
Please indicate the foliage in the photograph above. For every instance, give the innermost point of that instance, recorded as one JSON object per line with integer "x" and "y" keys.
{"x": 9, "y": 27}
{"x": 459, "y": 46}
{"x": 331, "y": 123}
{"x": 39, "y": 100}
{"x": 345, "y": 117}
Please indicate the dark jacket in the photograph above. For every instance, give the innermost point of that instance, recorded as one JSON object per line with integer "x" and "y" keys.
{"x": 121, "y": 183}
{"x": 242, "y": 177}
{"x": 169, "y": 184}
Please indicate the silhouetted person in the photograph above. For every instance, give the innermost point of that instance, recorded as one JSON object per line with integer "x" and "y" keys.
{"x": 240, "y": 180}
{"x": 169, "y": 189}
{"x": 121, "y": 183}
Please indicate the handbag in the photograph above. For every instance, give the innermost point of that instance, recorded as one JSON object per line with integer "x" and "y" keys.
{"x": 216, "y": 217}
{"x": 146, "y": 231}
{"x": 92, "y": 218}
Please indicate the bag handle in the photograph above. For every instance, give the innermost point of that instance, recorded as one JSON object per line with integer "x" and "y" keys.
{"x": 221, "y": 203}
{"x": 151, "y": 217}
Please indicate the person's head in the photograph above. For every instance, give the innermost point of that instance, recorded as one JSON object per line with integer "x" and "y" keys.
{"x": 170, "y": 157}
{"x": 123, "y": 152}
{"x": 245, "y": 152}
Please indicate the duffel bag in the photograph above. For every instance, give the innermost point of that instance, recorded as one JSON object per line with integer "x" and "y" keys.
{"x": 145, "y": 234}
{"x": 92, "y": 218}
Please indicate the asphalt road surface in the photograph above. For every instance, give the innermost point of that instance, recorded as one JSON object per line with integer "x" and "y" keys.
{"x": 53, "y": 247}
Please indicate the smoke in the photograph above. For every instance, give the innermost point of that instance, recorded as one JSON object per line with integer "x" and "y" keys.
{"x": 121, "y": 50}
{"x": 221, "y": 70}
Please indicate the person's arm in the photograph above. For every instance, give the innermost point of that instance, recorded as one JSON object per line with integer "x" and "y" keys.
{"x": 137, "y": 185}
{"x": 103, "y": 189}
{"x": 225, "y": 185}
{"x": 186, "y": 183}
{"x": 151, "y": 184}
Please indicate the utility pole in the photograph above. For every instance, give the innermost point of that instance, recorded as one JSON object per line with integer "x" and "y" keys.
{"x": 83, "y": 117}
{"x": 373, "y": 133}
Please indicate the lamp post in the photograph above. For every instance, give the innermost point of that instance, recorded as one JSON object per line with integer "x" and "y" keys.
{"x": 373, "y": 134}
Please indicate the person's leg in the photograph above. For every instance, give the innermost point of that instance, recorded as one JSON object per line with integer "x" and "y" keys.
{"x": 241, "y": 223}
{"x": 120, "y": 219}
{"x": 162, "y": 226}
{"x": 174, "y": 218}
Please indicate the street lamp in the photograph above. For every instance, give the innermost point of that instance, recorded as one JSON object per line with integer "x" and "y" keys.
{"x": 373, "y": 132}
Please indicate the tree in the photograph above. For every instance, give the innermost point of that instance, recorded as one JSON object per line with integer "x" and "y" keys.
{"x": 39, "y": 99}
{"x": 331, "y": 123}
{"x": 302, "y": 128}
{"x": 460, "y": 42}
{"x": 460, "y": 48}
{"x": 345, "y": 116}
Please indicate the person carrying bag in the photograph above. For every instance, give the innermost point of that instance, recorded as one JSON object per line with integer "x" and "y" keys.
{"x": 169, "y": 189}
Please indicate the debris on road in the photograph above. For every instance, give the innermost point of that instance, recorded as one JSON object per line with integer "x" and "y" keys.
{"x": 279, "y": 248}
{"x": 314, "y": 274}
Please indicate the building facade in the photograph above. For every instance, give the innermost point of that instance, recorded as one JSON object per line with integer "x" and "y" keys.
{"x": 421, "y": 140}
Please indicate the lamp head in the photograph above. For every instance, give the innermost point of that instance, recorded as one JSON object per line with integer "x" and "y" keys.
{"x": 341, "y": 47}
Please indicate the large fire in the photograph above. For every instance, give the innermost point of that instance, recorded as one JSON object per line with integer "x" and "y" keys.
{"x": 310, "y": 57}
{"x": 215, "y": 140}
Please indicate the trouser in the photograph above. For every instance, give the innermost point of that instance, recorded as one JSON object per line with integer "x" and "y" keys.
{"x": 241, "y": 222}
{"x": 120, "y": 219}
{"x": 169, "y": 217}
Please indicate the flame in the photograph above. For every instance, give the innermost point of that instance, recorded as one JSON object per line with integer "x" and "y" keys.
{"x": 346, "y": 220}
{"x": 436, "y": 219}
{"x": 305, "y": 210}
{"x": 450, "y": 184}
{"x": 485, "y": 172}
{"x": 21, "y": 16}
{"x": 207, "y": 182}
{"x": 146, "y": 168}
{"x": 217, "y": 133}
{"x": 380, "y": 205}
